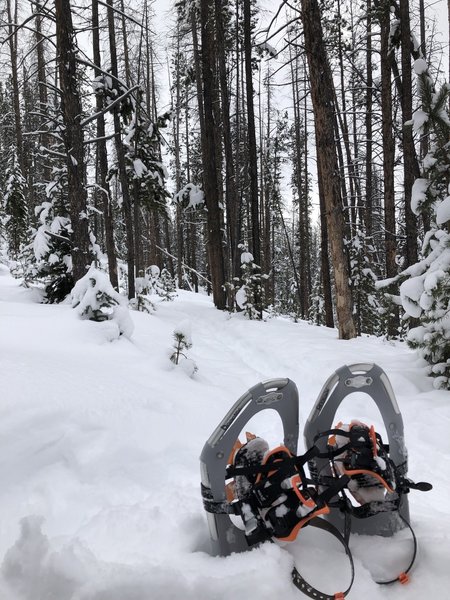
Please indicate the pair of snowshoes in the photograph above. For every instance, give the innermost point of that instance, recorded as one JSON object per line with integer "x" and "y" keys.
{"x": 348, "y": 480}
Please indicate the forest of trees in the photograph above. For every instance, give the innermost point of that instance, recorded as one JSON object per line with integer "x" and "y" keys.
{"x": 302, "y": 167}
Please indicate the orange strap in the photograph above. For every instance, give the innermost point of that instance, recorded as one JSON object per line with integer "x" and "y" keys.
{"x": 403, "y": 578}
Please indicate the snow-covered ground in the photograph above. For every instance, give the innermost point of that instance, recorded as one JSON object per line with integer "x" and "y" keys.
{"x": 99, "y": 446}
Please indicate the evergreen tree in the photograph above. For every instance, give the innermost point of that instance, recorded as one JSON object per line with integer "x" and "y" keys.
{"x": 250, "y": 295}
{"x": 182, "y": 342}
{"x": 366, "y": 302}
{"x": 15, "y": 219}
{"x": 425, "y": 287}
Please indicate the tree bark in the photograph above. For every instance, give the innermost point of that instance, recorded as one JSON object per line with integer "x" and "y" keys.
{"x": 388, "y": 154}
{"x": 409, "y": 158}
{"x": 251, "y": 136}
{"x": 209, "y": 156}
{"x": 120, "y": 151}
{"x": 73, "y": 139}
{"x": 322, "y": 99}
{"x": 102, "y": 158}
{"x": 12, "y": 42}
{"x": 231, "y": 195}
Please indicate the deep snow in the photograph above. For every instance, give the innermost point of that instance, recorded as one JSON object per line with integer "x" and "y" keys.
{"x": 99, "y": 447}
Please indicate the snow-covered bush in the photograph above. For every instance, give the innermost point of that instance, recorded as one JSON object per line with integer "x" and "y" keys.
{"x": 366, "y": 298}
{"x": 182, "y": 341}
{"x": 95, "y": 299}
{"x": 142, "y": 302}
{"x": 250, "y": 295}
{"x": 52, "y": 251}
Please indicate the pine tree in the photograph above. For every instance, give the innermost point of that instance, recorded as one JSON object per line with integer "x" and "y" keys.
{"x": 366, "y": 301}
{"x": 250, "y": 295}
{"x": 15, "y": 219}
{"x": 425, "y": 287}
{"x": 182, "y": 342}
{"x": 95, "y": 299}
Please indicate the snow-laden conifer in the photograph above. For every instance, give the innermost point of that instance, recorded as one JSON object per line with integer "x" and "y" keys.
{"x": 425, "y": 286}
{"x": 95, "y": 299}
{"x": 182, "y": 342}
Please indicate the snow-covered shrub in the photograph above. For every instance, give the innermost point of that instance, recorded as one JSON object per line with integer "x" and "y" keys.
{"x": 142, "y": 302}
{"x": 250, "y": 295}
{"x": 165, "y": 286}
{"x": 95, "y": 299}
{"x": 52, "y": 251}
{"x": 182, "y": 341}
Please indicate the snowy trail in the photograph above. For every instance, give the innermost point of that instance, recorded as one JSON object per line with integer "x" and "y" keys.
{"x": 99, "y": 446}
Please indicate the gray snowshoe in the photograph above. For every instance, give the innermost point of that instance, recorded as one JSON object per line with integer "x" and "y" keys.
{"x": 277, "y": 394}
{"x": 372, "y": 380}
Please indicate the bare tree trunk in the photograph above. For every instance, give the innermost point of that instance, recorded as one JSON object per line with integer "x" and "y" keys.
{"x": 388, "y": 153}
{"x": 73, "y": 139}
{"x": 12, "y": 42}
{"x": 369, "y": 204}
{"x": 102, "y": 158}
{"x": 322, "y": 98}
{"x": 324, "y": 256}
{"x": 409, "y": 158}
{"x": 120, "y": 151}
{"x": 210, "y": 167}
{"x": 253, "y": 161}
{"x": 231, "y": 195}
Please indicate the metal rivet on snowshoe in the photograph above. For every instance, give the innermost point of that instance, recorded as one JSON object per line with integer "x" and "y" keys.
{"x": 219, "y": 455}
{"x": 358, "y": 381}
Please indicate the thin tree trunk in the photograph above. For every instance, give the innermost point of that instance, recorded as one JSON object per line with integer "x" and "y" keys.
{"x": 251, "y": 136}
{"x": 388, "y": 154}
{"x": 120, "y": 151}
{"x": 102, "y": 158}
{"x": 12, "y": 42}
{"x": 368, "y": 209}
{"x": 409, "y": 159}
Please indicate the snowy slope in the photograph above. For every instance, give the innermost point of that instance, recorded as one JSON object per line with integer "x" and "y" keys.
{"x": 99, "y": 446}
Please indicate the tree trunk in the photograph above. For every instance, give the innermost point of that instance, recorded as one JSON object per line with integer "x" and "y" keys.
{"x": 102, "y": 158}
{"x": 73, "y": 139}
{"x": 324, "y": 256}
{"x": 120, "y": 151}
{"x": 322, "y": 99}
{"x": 231, "y": 195}
{"x": 209, "y": 156}
{"x": 369, "y": 204}
{"x": 252, "y": 152}
{"x": 12, "y": 41}
{"x": 388, "y": 154}
{"x": 409, "y": 158}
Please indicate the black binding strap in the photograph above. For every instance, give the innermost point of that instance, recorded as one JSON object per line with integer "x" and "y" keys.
{"x": 403, "y": 576}
{"x": 307, "y": 588}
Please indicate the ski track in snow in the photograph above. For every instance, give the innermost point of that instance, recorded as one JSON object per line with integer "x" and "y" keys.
{"x": 99, "y": 447}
